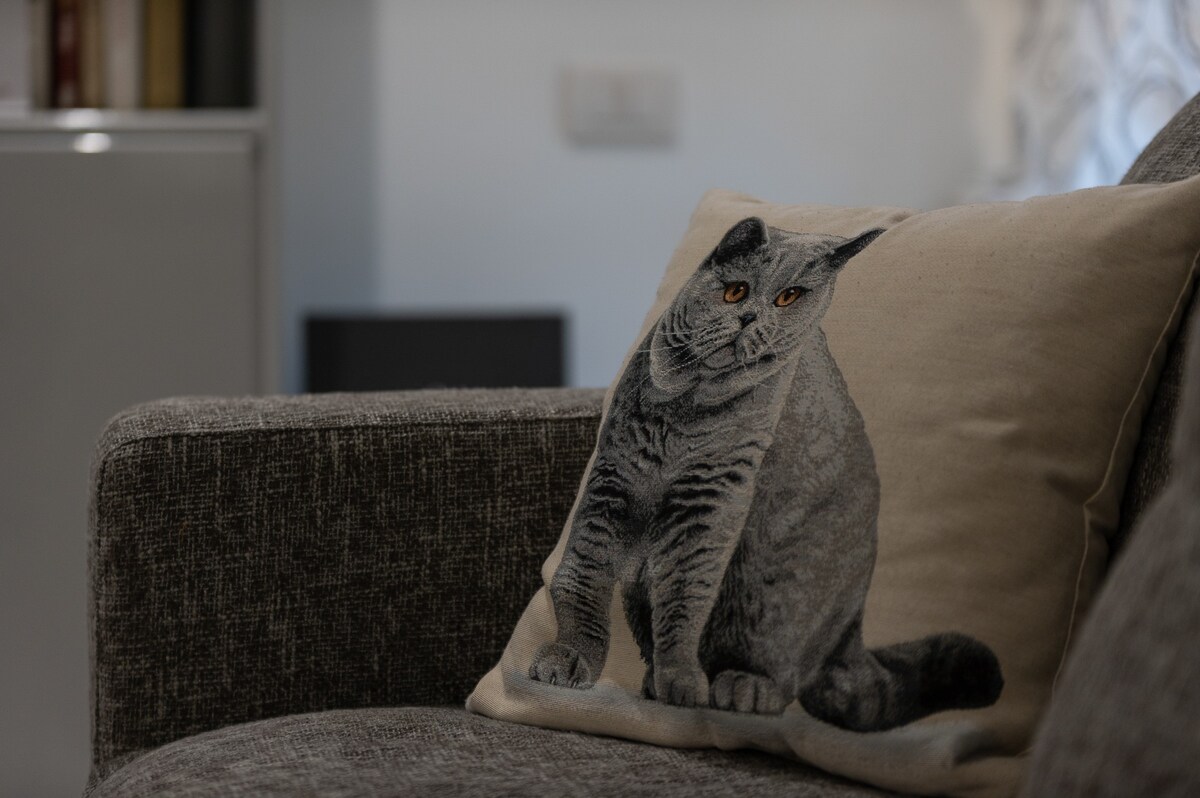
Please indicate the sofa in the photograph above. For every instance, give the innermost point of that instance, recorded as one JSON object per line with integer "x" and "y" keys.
{"x": 293, "y": 595}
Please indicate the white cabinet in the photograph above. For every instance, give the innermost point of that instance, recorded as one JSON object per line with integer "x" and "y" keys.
{"x": 131, "y": 271}
{"x": 127, "y": 274}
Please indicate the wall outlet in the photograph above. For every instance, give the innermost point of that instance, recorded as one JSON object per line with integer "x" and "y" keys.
{"x": 620, "y": 106}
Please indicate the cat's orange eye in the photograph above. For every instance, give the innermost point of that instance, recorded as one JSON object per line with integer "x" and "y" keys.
{"x": 787, "y": 296}
{"x": 736, "y": 292}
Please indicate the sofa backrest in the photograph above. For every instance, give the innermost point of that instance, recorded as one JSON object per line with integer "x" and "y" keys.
{"x": 1174, "y": 154}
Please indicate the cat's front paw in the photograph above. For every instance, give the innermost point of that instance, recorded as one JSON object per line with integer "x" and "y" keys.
{"x": 681, "y": 685}
{"x": 739, "y": 691}
{"x": 556, "y": 663}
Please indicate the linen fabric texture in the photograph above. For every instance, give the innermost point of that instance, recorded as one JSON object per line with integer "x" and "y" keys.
{"x": 1003, "y": 357}
{"x": 442, "y": 751}
{"x": 253, "y": 557}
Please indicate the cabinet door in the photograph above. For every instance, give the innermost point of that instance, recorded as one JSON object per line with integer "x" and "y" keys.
{"x": 125, "y": 275}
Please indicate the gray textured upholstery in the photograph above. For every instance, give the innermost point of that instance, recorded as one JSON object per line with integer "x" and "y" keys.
{"x": 431, "y": 752}
{"x": 260, "y": 557}
{"x": 1126, "y": 719}
{"x": 1174, "y": 154}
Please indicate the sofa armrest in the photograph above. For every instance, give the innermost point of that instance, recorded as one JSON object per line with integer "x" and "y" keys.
{"x": 259, "y": 557}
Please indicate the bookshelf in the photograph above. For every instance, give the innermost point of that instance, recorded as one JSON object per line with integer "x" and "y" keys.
{"x": 128, "y": 54}
{"x": 137, "y": 261}
{"x": 239, "y": 30}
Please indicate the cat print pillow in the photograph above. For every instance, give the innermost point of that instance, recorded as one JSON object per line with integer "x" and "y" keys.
{"x": 852, "y": 488}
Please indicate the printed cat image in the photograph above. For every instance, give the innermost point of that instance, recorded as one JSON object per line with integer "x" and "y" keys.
{"x": 734, "y": 499}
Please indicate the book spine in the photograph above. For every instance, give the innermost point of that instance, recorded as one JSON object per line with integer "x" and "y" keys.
{"x": 41, "y": 52}
{"x": 163, "y": 77}
{"x": 91, "y": 55}
{"x": 66, "y": 53}
{"x": 220, "y": 53}
{"x": 15, "y": 86}
{"x": 122, "y": 31}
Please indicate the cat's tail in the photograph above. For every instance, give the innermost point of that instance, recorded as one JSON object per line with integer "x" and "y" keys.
{"x": 877, "y": 689}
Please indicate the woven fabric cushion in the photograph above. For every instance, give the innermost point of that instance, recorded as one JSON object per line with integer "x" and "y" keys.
{"x": 431, "y": 752}
{"x": 1002, "y": 356}
{"x": 1174, "y": 153}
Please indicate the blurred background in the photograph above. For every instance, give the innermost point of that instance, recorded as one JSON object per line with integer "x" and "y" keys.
{"x": 234, "y": 197}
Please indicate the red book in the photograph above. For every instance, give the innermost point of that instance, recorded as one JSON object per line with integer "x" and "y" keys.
{"x": 66, "y": 53}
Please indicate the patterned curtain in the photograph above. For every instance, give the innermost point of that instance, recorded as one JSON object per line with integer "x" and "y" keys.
{"x": 1091, "y": 82}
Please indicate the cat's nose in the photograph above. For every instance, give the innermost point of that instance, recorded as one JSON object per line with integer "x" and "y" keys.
{"x": 748, "y": 317}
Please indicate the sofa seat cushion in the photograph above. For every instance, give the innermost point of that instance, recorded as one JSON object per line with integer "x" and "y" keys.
{"x": 444, "y": 751}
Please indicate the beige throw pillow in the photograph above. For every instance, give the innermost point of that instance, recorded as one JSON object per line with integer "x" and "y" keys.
{"x": 1002, "y": 357}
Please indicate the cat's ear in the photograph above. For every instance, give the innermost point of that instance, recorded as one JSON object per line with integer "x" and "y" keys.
{"x": 845, "y": 251}
{"x": 742, "y": 239}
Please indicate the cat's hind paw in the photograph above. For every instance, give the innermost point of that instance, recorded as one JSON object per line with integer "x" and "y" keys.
{"x": 739, "y": 691}
{"x": 559, "y": 664}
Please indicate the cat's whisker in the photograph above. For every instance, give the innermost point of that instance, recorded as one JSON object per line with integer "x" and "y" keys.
{"x": 676, "y": 368}
{"x": 685, "y": 364}
{"x": 653, "y": 347}
{"x": 691, "y": 335}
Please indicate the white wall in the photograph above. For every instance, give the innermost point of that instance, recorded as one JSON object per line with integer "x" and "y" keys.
{"x": 324, "y": 102}
{"x": 422, "y": 165}
{"x": 482, "y": 203}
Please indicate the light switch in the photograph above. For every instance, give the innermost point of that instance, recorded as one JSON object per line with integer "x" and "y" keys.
{"x": 620, "y": 106}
